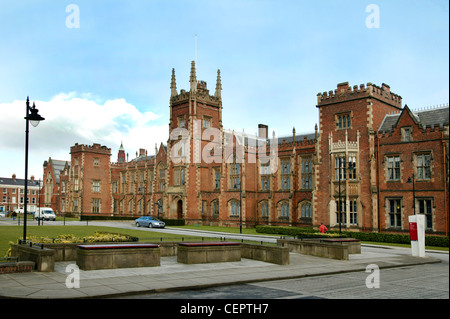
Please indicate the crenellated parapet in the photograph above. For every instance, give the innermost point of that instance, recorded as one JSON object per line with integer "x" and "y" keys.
{"x": 345, "y": 92}
{"x": 95, "y": 148}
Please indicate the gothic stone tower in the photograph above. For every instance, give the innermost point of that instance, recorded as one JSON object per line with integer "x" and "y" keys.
{"x": 193, "y": 115}
{"x": 348, "y": 121}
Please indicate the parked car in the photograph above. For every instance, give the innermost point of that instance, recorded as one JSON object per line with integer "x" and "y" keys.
{"x": 2, "y": 214}
{"x": 148, "y": 221}
{"x": 44, "y": 213}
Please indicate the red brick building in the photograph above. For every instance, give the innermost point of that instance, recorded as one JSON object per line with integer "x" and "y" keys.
{"x": 12, "y": 194}
{"x": 356, "y": 162}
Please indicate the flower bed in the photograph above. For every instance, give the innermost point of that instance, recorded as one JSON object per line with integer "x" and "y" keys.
{"x": 96, "y": 237}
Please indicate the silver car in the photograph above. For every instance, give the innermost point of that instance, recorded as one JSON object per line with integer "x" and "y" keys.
{"x": 148, "y": 221}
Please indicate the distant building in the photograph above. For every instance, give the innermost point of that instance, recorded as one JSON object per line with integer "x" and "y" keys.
{"x": 352, "y": 170}
{"x": 12, "y": 194}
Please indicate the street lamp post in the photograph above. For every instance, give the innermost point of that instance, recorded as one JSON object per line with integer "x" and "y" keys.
{"x": 158, "y": 205}
{"x": 411, "y": 180}
{"x": 33, "y": 117}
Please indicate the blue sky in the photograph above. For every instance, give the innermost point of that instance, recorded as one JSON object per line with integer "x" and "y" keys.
{"x": 109, "y": 80}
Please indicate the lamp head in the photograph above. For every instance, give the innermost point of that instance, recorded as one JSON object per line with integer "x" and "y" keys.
{"x": 34, "y": 116}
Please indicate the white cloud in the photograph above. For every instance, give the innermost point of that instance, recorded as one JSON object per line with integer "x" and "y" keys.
{"x": 74, "y": 118}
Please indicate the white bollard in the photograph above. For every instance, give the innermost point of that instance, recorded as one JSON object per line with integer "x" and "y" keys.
{"x": 417, "y": 234}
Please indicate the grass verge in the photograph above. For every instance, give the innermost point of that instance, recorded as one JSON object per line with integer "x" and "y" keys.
{"x": 13, "y": 233}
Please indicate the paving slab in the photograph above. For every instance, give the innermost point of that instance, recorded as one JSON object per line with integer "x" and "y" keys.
{"x": 172, "y": 276}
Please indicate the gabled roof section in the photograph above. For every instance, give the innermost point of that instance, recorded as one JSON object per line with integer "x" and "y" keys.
{"x": 57, "y": 167}
{"x": 423, "y": 118}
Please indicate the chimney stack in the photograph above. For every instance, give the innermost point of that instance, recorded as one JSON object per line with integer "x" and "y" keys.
{"x": 263, "y": 130}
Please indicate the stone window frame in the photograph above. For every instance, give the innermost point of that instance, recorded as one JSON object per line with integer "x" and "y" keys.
{"x": 397, "y": 215}
{"x": 308, "y": 174}
{"x": 96, "y": 204}
{"x": 207, "y": 119}
{"x": 283, "y": 209}
{"x": 423, "y": 167}
{"x": 181, "y": 120}
{"x": 263, "y": 213}
{"x": 234, "y": 207}
{"x": 285, "y": 174}
{"x": 385, "y": 163}
{"x": 343, "y": 120}
{"x": 301, "y": 206}
{"x": 406, "y": 137}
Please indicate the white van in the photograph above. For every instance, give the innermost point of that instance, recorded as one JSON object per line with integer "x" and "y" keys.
{"x": 44, "y": 213}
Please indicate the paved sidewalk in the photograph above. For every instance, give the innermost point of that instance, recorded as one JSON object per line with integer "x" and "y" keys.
{"x": 171, "y": 276}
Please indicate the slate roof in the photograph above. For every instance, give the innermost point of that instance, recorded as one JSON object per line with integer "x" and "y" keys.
{"x": 18, "y": 182}
{"x": 430, "y": 117}
{"x": 301, "y": 137}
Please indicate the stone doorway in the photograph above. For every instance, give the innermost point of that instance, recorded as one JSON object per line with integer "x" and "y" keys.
{"x": 180, "y": 209}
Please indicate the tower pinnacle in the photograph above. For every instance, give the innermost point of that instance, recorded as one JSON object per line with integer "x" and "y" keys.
{"x": 218, "y": 93}
{"x": 193, "y": 78}
{"x": 173, "y": 85}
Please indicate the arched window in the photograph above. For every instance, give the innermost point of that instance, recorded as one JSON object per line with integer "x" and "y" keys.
{"x": 283, "y": 209}
{"x": 235, "y": 208}
{"x": 264, "y": 209}
{"x": 215, "y": 208}
{"x": 306, "y": 210}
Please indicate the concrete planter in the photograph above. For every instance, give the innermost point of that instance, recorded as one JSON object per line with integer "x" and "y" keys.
{"x": 91, "y": 257}
{"x": 43, "y": 258}
{"x": 199, "y": 253}
{"x": 328, "y": 248}
{"x": 271, "y": 254}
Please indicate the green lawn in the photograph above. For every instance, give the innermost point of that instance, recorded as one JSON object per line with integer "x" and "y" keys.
{"x": 13, "y": 233}
{"x": 231, "y": 230}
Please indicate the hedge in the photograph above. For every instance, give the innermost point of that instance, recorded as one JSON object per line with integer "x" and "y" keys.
{"x": 174, "y": 222}
{"x": 169, "y": 222}
{"x": 309, "y": 232}
{"x": 96, "y": 237}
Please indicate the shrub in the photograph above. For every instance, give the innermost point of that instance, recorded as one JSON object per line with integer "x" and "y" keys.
{"x": 298, "y": 232}
{"x": 303, "y": 232}
{"x": 174, "y": 222}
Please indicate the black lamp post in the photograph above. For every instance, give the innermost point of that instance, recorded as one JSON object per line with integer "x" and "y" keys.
{"x": 411, "y": 180}
{"x": 33, "y": 117}
{"x": 158, "y": 205}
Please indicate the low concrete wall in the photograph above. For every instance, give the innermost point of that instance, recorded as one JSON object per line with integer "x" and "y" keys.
{"x": 168, "y": 248}
{"x": 354, "y": 245}
{"x": 316, "y": 248}
{"x": 44, "y": 258}
{"x": 271, "y": 254}
{"x": 199, "y": 253}
{"x": 129, "y": 256}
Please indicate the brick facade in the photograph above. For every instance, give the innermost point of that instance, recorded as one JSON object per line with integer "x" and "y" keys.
{"x": 207, "y": 174}
{"x": 12, "y": 194}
